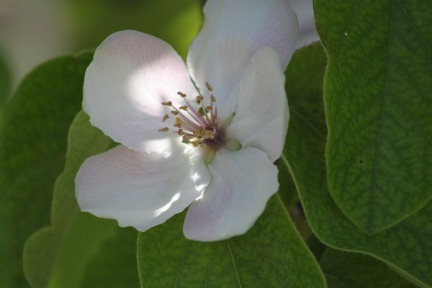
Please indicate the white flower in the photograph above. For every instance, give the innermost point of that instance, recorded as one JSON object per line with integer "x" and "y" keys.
{"x": 210, "y": 149}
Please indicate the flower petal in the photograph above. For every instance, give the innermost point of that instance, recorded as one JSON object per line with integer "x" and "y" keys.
{"x": 232, "y": 33}
{"x": 131, "y": 74}
{"x": 242, "y": 182}
{"x": 138, "y": 190}
{"x": 306, "y": 18}
{"x": 261, "y": 118}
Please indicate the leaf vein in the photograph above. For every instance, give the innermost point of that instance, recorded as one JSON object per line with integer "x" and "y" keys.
{"x": 234, "y": 264}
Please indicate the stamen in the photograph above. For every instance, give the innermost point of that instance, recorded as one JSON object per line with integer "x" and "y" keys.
{"x": 199, "y": 99}
{"x": 209, "y": 87}
{"x": 185, "y": 139}
{"x": 194, "y": 114}
{"x": 186, "y": 122}
{"x": 196, "y": 124}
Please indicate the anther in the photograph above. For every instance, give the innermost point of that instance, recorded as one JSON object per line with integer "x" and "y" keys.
{"x": 199, "y": 98}
{"x": 183, "y": 108}
{"x": 209, "y": 87}
{"x": 175, "y": 113}
{"x": 165, "y": 129}
{"x": 178, "y": 125}
{"x": 209, "y": 108}
{"x": 212, "y": 98}
{"x": 181, "y": 94}
{"x": 166, "y": 117}
{"x": 167, "y": 103}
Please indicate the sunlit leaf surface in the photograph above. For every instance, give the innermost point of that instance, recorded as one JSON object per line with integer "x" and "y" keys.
{"x": 271, "y": 254}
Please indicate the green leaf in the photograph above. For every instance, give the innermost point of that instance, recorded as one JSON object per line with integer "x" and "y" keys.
{"x": 32, "y": 154}
{"x": 56, "y": 256}
{"x": 115, "y": 264}
{"x": 5, "y": 81}
{"x": 378, "y": 99}
{"x": 177, "y": 22}
{"x": 406, "y": 247}
{"x": 271, "y": 254}
{"x": 353, "y": 270}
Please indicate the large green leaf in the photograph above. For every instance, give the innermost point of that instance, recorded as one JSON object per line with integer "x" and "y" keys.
{"x": 115, "y": 264}
{"x": 271, "y": 254}
{"x": 56, "y": 256}
{"x": 406, "y": 246}
{"x": 32, "y": 154}
{"x": 378, "y": 99}
{"x": 353, "y": 270}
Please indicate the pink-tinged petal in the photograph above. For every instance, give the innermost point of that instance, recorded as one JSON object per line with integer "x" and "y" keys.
{"x": 138, "y": 190}
{"x": 261, "y": 118}
{"x": 241, "y": 184}
{"x": 232, "y": 33}
{"x": 131, "y": 74}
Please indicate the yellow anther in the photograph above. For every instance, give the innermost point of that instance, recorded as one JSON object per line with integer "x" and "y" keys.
{"x": 183, "y": 108}
{"x": 166, "y": 117}
{"x": 167, "y": 103}
{"x": 181, "y": 94}
{"x": 165, "y": 129}
{"x": 209, "y": 87}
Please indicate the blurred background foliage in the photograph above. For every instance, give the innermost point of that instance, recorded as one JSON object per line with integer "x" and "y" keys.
{"x": 177, "y": 22}
{"x": 33, "y": 31}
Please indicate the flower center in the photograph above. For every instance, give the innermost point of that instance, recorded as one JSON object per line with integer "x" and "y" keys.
{"x": 198, "y": 126}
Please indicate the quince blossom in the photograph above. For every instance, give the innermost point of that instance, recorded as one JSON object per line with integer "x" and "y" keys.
{"x": 208, "y": 143}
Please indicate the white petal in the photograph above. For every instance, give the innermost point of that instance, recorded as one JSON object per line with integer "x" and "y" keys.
{"x": 261, "y": 118}
{"x": 306, "y": 18}
{"x": 137, "y": 190}
{"x": 232, "y": 33}
{"x": 131, "y": 74}
{"x": 241, "y": 184}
